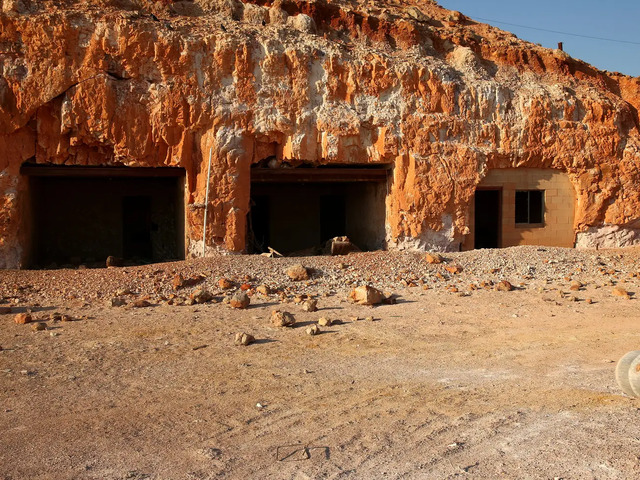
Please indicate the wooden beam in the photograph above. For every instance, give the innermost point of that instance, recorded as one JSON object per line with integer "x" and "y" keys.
{"x": 35, "y": 170}
{"x": 286, "y": 175}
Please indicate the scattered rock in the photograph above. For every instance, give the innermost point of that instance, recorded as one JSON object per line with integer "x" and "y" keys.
{"x": 298, "y": 272}
{"x": 324, "y": 322}
{"x": 264, "y": 290}
{"x": 310, "y": 305}
{"x": 180, "y": 282}
{"x": 313, "y": 330}
{"x": 118, "y": 302}
{"x": 340, "y": 246}
{"x": 244, "y": 339}
{"x": 369, "y": 319}
{"x": 366, "y": 295}
{"x": 433, "y": 258}
{"x": 177, "y": 282}
{"x": 504, "y": 286}
{"x": 245, "y": 286}
{"x": 575, "y": 286}
{"x": 39, "y": 326}
{"x": 201, "y": 295}
{"x": 23, "y": 318}
{"x": 282, "y": 319}
{"x": 141, "y": 304}
{"x": 113, "y": 261}
{"x": 225, "y": 283}
{"x": 240, "y": 300}
{"x": 66, "y": 318}
{"x": 589, "y": 301}
{"x": 455, "y": 269}
{"x": 620, "y": 292}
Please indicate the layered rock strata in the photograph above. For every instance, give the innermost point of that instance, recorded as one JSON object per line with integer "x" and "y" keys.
{"x": 441, "y": 98}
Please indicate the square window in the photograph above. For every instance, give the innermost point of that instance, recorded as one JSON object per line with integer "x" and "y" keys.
{"x": 529, "y": 207}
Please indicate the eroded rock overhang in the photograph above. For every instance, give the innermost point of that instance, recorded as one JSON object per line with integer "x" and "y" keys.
{"x": 441, "y": 99}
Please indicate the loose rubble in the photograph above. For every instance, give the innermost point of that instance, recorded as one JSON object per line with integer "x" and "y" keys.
{"x": 282, "y": 319}
{"x": 313, "y": 330}
{"x": 310, "y": 305}
{"x": 367, "y": 295}
{"x": 23, "y": 318}
{"x": 239, "y": 300}
{"x": 298, "y": 272}
{"x": 244, "y": 339}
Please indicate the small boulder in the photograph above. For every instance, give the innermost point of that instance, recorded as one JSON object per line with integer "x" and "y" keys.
{"x": 282, "y": 319}
{"x": 313, "y": 330}
{"x": 178, "y": 282}
{"x": 620, "y": 292}
{"x": 225, "y": 283}
{"x": 118, "y": 302}
{"x": 575, "y": 286}
{"x": 264, "y": 290}
{"x": 39, "y": 326}
{"x": 455, "y": 269}
{"x": 340, "y": 246}
{"x": 310, "y": 305}
{"x": 141, "y": 303}
{"x": 504, "y": 286}
{"x": 239, "y": 300}
{"x": 433, "y": 258}
{"x": 113, "y": 261}
{"x": 366, "y": 295}
{"x": 23, "y": 318}
{"x": 324, "y": 322}
{"x": 201, "y": 295}
{"x": 298, "y": 272}
{"x": 244, "y": 339}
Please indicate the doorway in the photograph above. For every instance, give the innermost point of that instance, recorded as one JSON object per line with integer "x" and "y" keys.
{"x": 487, "y": 218}
{"x": 82, "y": 215}
{"x": 296, "y": 210}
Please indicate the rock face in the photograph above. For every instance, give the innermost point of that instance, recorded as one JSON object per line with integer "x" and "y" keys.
{"x": 439, "y": 98}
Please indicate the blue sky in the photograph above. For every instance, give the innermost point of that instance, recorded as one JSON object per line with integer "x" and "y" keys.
{"x": 615, "y": 19}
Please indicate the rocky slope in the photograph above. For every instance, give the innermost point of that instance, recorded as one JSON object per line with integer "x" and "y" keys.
{"x": 440, "y": 97}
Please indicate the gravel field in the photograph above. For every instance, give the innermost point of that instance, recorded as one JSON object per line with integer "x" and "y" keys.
{"x": 452, "y": 377}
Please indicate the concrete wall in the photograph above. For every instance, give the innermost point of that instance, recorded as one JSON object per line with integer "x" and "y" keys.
{"x": 559, "y": 207}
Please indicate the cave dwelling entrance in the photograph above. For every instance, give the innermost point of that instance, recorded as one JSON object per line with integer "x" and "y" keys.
{"x": 297, "y": 210}
{"x": 82, "y": 215}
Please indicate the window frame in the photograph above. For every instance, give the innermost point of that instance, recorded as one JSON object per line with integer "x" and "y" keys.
{"x": 530, "y": 224}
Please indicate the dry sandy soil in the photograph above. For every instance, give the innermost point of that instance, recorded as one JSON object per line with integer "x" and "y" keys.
{"x": 476, "y": 383}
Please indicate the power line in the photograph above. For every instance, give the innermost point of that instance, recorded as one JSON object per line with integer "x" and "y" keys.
{"x": 558, "y": 32}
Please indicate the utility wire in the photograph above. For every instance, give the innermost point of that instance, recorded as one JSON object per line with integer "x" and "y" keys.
{"x": 558, "y": 32}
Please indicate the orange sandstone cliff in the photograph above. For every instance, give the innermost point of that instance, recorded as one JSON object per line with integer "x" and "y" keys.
{"x": 441, "y": 98}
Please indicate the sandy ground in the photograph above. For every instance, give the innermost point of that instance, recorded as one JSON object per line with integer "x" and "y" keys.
{"x": 468, "y": 384}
